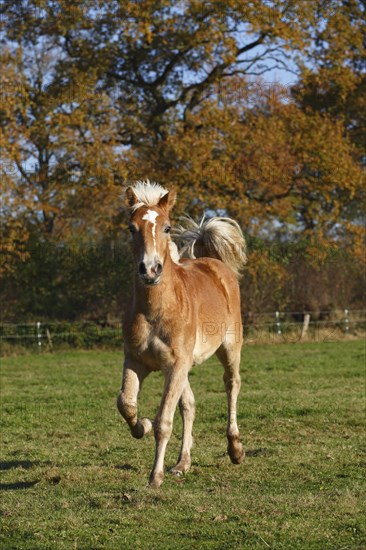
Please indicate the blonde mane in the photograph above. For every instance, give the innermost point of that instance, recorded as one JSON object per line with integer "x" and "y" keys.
{"x": 148, "y": 193}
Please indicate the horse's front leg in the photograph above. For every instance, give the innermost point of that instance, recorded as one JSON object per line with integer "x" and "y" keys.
{"x": 175, "y": 380}
{"x": 133, "y": 376}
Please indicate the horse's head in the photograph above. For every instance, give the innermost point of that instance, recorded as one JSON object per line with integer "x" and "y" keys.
{"x": 150, "y": 227}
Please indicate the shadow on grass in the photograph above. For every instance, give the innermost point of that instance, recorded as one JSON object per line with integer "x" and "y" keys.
{"x": 18, "y": 485}
{"x": 25, "y": 464}
{"x": 253, "y": 453}
{"x": 126, "y": 467}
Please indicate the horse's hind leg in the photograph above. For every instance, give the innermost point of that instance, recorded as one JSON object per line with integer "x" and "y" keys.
{"x": 133, "y": 376}
{"x": 187, "y": 411}
{"x": 230, "y": 358}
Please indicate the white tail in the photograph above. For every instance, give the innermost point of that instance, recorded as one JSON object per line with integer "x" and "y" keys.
{"x": 219, "y": 238}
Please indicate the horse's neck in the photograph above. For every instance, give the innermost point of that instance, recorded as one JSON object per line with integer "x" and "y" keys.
{"x": 156, "y": 300}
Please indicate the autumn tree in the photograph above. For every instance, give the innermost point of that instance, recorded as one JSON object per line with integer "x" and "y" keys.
{"x": 265, "y": 160}
{"x": 100, "y": 93}
{"x": 333, "y": 83}
{"x": 159, "y": 59}
{"x": 99, "y": 77}
{"x": 55, "y": 163}
{"x": 332, "y": 77}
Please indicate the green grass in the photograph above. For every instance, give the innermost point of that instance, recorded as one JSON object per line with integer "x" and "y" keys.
{"x": 73, "y": 477}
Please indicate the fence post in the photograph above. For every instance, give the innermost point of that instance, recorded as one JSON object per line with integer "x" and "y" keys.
{"x": 49, "y": 338}
{"x": 278, "y": 324}
{"x": 346, "y": 321}
{"x": 39, "y": 335}
{"x": 305, "y": 325}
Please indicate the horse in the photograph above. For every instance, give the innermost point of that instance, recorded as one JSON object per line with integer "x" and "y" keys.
{"x": 181, "y": 312}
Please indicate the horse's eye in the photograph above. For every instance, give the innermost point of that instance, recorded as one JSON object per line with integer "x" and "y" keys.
{"x": 167, "y": 229}
{"x": 132, "y": 228}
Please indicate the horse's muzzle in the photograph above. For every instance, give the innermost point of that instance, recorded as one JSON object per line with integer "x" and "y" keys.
{"x": 150, "y": 275}
{"x": 151, "y": 282}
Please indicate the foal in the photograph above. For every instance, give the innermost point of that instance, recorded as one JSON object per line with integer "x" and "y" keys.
{"x": 182, "y": 311}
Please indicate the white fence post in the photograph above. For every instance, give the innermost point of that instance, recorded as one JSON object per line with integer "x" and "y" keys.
{"x": 346, "y": 321}
{"x": 39, "y": 335}
{"x": 278, "y": 322}
{"x": 305, "y": 325}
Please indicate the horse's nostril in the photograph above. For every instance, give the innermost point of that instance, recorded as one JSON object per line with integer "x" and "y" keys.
{"x": 142, "y": 268}
{"x": 158, "y": 268}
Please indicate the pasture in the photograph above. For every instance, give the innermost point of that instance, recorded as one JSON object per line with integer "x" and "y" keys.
{"x": 73, "y": 477}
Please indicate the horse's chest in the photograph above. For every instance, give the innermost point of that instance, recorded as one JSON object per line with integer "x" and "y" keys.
{"x": 149, "y": 346}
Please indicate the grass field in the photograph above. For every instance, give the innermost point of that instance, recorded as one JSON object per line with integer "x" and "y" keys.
{"x": 73, "y": 477}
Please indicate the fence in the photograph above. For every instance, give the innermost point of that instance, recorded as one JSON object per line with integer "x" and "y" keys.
{"x": 297, "y": 326}
{"x": 55, "y": 335}
{"x": 270, "y": 327}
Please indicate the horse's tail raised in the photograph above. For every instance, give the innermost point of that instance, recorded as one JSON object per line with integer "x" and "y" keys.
{"x": 219, "y": 238}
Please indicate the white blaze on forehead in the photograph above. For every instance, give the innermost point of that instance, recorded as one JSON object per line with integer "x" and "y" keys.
{"x": 151, "y": 216}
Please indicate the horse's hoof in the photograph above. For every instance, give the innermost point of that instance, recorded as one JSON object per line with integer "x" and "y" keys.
{"x": 236, "y": 452}
{"x": 142, "y": 427}
{"x": 238, "y": 459}
{"x": 156, "y": 480}
{"x": 181, "y": 468}
{"x": 176, "y": 472}
{"x": 147, "y": 424}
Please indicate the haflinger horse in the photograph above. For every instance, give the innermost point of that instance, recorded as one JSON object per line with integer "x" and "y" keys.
{"x": 182, "y": 311}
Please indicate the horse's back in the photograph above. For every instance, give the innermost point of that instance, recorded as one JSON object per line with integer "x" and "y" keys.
{"x": 211, "y": 280}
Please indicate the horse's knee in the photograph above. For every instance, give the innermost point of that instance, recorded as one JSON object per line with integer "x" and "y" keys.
{"x": 187, "y": 404}
{"x": 126, "y": 407}
{"x": 163, "y": 428}
{"x": 232, "y": 381}
{"x": 128, "y": 410}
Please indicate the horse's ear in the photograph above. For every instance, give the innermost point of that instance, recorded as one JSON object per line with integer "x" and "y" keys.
{"x": 130, "y": 197}
{"x": 168, "y": 200}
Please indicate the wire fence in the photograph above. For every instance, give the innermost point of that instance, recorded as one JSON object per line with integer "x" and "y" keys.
{"x": 298, "y": 326}
{"x": 267, "y": 327}
{"x": 44, "y": 335}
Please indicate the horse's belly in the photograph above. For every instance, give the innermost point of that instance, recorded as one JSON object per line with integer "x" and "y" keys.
{"x": 200, "y": 355}
{"x": 205, "y": 347}
{"x": 210, "y": 336}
